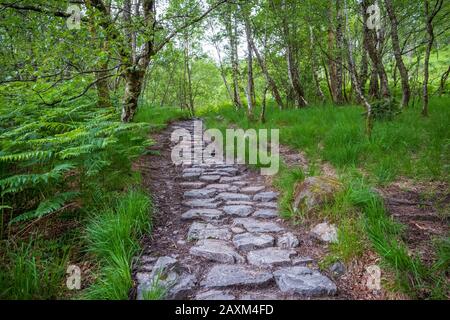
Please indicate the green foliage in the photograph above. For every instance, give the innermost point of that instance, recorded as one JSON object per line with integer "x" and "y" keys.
{"x": 50, "y": 156}
{"x": 113, "y": 239}
{"x": 385, "y": 109}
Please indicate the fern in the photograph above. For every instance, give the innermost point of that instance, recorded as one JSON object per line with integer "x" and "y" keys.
{"x": 46, "y": 207}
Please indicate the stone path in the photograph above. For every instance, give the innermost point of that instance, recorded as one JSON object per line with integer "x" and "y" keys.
{"x": 234, "y": 245}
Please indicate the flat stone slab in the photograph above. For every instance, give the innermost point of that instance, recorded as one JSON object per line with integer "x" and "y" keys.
{"x": 192, "y": 185}
{"x": 273, "y": 205}
{"x": 231, "y": 179}
{"x": 287, "y": 240}
{"x": 200, "y": 193}
{"x": 253, "y": 225}
{"x": 211, "y": 178}
{"x": 190, "y": 175}
{"x": 214, "y": 295}
{"x": 229, "y": 196}
{"x": 270, "y": 257}
{"x": 223, "y": 275}
{"x": 265, "y": 196}
{"x": 251, "y": 241}
{"x": 204, "y": 214}
{"x": 201, "y": 231}
{"x": 218, "y": 186}
{"x": 202, "y": 203}
{"x": 253, "y": 189}
{"x": 266, "y": 213}
{"x": 216, "y": 250}
{"x": 304, "y": 281}
{"x": 238, "y": 210}
{"x": 239, "y": 203}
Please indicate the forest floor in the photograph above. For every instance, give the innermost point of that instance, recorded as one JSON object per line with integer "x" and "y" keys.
{"x": 195, "y": 263}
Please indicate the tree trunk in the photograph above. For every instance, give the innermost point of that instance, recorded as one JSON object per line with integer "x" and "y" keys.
{"x": 265, "y": 71}
{"x": 250, "y": 81}
{"x": 319, "y": 91}
{"x": 373, "y": 42}
{"x": 231, "y": 30}
{"x": 355, "y": 80}
{"x": 430, "y": 40}
{"x": 335, "y": 53}
{"x": 133, "y": 86}
{"x": 398, "y": 55}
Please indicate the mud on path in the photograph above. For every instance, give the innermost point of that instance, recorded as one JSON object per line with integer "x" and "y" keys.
{"x": 217, "y": 234}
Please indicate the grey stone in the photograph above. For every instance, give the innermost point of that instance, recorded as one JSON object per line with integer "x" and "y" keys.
{"x": 237, "y": 230}
{"x": 199, "y": 193}
{"x": 325, "y": 232}
{"x": 287, "y": 240}
{"x": 303, "y": 281}
{"x": 164, "y": 265}
{"x": 251, "y": 241}
{"x": 182, "y": 288}
{"x": 240, "y": 183}
{"x": 302, "y": 261}
{"x": 211, "y": 178}
{"x": 238, "y": 210}
{"x": 231, "y": 179}
{"x": 239, "y": 203}
{"x": 259, "y": 296}
{"x": 314, "y": 192}
{"x": 270, "y": 257}
{"x": 214, "y": 295}
{"x": 338, "y": 269}
{"x": 265, "y": 196}
{"x": 253, "y": 189}
{"x": 203, "y": 203}
{"x": 190, "y": 175}
{"x": 229, "y": 196}
{"x": 204, "y": 214}
{"x": 193, "y": 170}
{"x": 200, "y": 231}
{"x": 218, "y": 186}
{"x": 253, "y": 225}
{"x": 235, "y": 275}
{"x": 216, "y": 250}
{"x": 192, "y": 185}
{"x": 266, "y": 213}
{"x": 273, "y": 205}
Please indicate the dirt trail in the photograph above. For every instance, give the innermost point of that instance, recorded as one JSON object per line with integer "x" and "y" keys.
{"x": 217, "y": 234}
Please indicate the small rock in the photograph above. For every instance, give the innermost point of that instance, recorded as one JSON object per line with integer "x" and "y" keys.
{"x": 192, "y": 185}
{"x": 338, "y": 269}
{"x": 303, "y": 281}
{"x": 266, "y": 213}
{"x": 270, "y": 257}
{"x": 265, "y": 196}
{"x": 204, "y": 214}
{"x": 215, "y": 295}
{"x": 211, "y": 178}
{"x": 190, "y": 176}
{"x": 252, "y": 190}
{"x": 199, "y": 193}
{"x": 223, "y": 275}
{"x": 182, "y": 288}
{"x": 216, "y": 250}
{"x": 302, "y": 261}
{"x": 287, "y": 240}
{"x": 273, "y": 205}
{"x": 237, "y": 230}
{"x": 238, "y": 210}
{"x": 218, "y": 186}
{"x": 204, "y": 203}
{"x": 231, "y": 179}
{"x": 253, "y": 225}
{"x": 229, "y": 196}
{"x": 200, "y": 231}
{"x": 250, "y": 241}
{"x": 325, "y": 232}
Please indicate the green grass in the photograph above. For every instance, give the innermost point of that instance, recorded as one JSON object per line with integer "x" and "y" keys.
{"x": 33, "y": 270}
{"x": 113, "y": 239}
{"x": 157, "y": 117}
